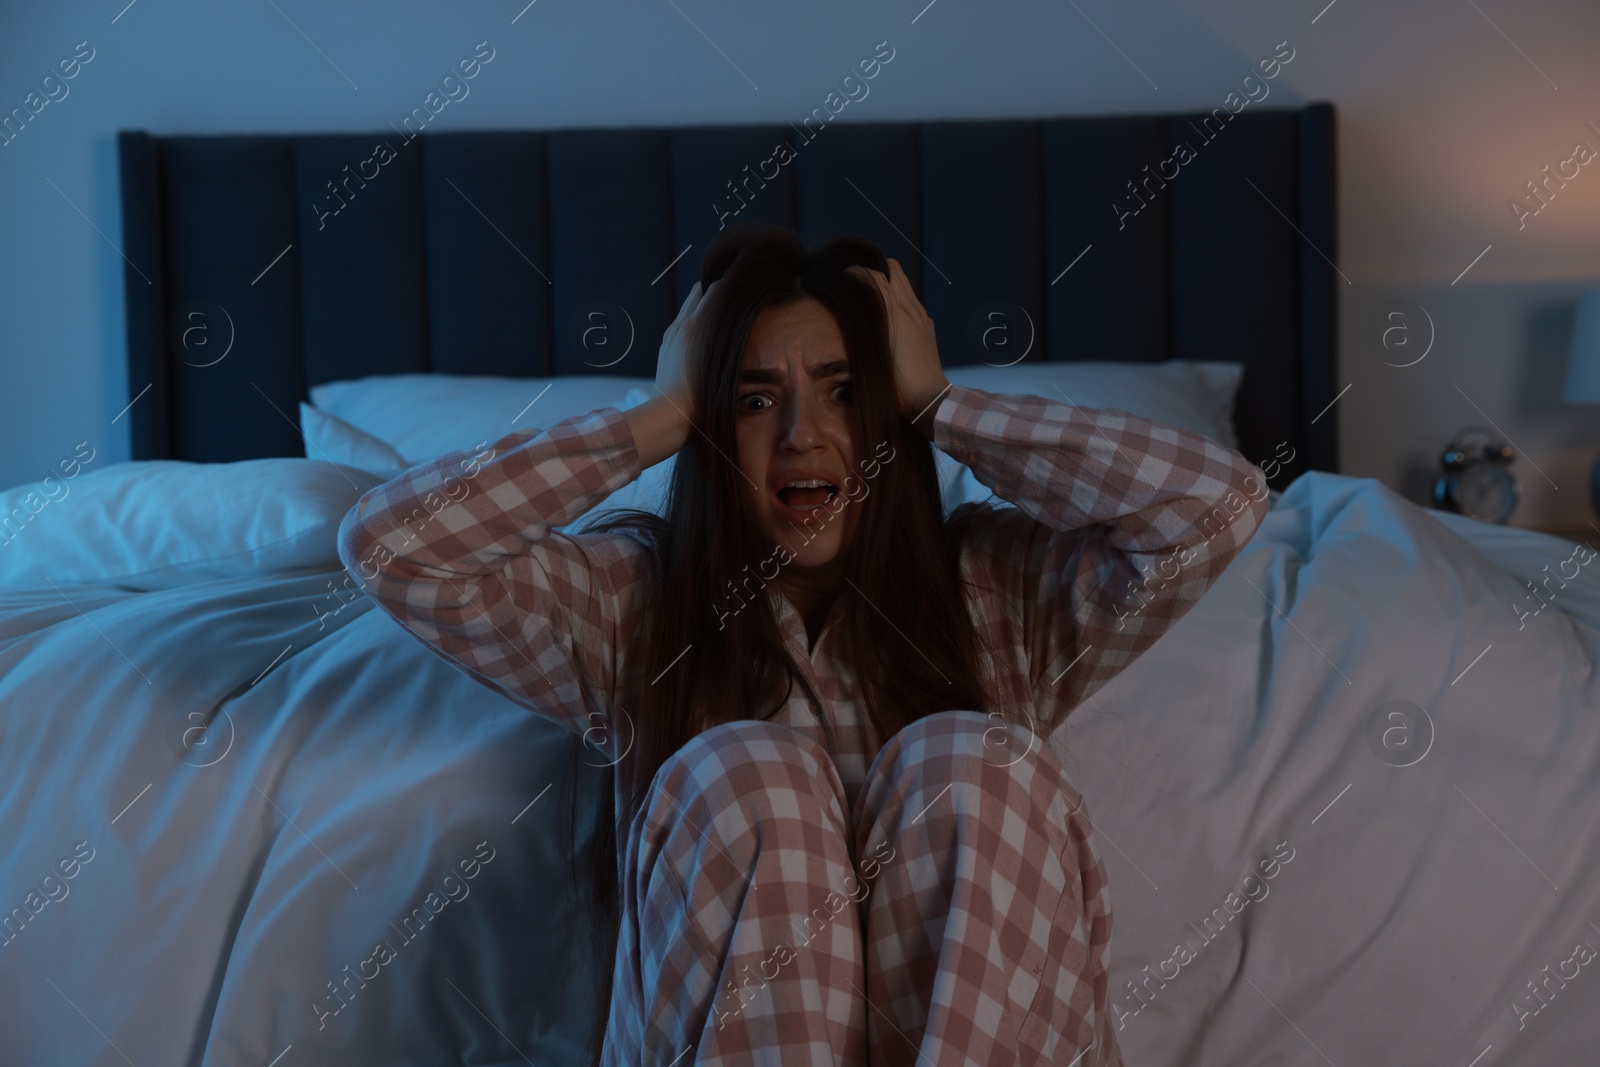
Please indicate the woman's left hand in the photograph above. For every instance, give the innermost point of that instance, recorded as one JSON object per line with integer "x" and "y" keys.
{"x": 914, "y": 352}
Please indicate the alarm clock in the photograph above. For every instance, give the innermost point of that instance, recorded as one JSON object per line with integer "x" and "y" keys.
{"x": 1477, "y": 479}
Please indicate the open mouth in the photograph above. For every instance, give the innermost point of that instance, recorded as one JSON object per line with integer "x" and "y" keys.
{"x": 806, "y": 495}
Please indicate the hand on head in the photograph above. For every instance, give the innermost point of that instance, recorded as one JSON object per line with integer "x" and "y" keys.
{"x": 913, "y": 347}
{"x": 672, "y": 375}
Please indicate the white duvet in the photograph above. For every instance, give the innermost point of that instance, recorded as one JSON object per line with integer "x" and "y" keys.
{"x": 295, "y": 836}
{"x": 1423, "y": 867}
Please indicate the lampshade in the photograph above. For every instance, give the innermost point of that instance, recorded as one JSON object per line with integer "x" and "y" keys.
{"x": 1583, "y": 362}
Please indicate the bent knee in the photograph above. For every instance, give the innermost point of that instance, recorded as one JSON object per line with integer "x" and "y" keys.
{"x": 730, "y": 744}
{"x": 994, "y": 738}
{"x": 993, "y": 751}
{"x": 761, "y": 767}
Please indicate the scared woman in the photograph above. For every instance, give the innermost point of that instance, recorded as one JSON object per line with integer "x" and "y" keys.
{"x": 840, "y": 833}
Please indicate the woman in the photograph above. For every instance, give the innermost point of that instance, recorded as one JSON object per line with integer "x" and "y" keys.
{"x": 839, "y": 832}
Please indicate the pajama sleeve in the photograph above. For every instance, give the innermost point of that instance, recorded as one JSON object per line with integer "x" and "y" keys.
{"x": 461, "y": 552}
{"x": 1121, "y": 524}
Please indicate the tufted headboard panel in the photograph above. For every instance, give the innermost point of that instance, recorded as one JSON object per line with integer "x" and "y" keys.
{"x": 260, "y": 265}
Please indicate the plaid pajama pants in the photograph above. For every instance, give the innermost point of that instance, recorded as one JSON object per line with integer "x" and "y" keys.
{"x": 956, "y": 913}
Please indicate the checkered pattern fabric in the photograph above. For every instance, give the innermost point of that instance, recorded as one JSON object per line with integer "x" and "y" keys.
{"x": 957, "y": 913}
{"x": 1120, "y": 524}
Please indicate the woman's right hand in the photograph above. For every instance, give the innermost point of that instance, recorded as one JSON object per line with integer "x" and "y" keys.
{"x": 672, "y": 377}
{"x": 662, "y": 424}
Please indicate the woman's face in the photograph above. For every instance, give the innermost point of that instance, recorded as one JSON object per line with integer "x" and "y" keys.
{"x": 795, "y": 423}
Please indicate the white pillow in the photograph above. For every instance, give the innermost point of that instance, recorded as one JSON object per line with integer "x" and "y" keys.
{"x": 157, "y": 524}
{"x": 423, "y": 416}
{"x": 1197, "y": 396}
{"x": 336, "y": 441}
{"x": 330, "y": 438}
{"x": 393, "y": 422}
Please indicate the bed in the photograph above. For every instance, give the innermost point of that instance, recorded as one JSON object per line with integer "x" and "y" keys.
{"x": 1356, "y": 781}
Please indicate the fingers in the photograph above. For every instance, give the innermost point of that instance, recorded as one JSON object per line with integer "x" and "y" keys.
{"x": 696, "y": 300}
{"x": 684, "y": 310}
{"x": 899, "y": 281}
{"x": 894, "y": 284}
{"x": 685, "y": 313}
{"x": 705, "y": 295}
{"x": 878, "y": 282}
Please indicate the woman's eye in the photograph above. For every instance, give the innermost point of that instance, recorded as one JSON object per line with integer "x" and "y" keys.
{"x": 848, "y": 392}
{"x": 744, "y": 401}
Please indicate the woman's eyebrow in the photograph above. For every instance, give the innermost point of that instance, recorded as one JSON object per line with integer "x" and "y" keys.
{"x": 764, "y": 376}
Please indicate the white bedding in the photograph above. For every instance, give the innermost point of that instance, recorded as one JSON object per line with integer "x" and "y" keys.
{"x": 350, "y": 771}
{"x": 1420, "y": 898}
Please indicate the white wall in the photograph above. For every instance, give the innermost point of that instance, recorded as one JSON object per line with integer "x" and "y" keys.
{"x": 1442, "y": 120}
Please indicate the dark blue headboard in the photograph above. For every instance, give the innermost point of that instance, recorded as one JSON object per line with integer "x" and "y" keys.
{"x": 324, "y": 257}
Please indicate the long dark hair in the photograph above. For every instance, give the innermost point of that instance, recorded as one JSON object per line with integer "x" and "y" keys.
{"x": 903, "y": 557}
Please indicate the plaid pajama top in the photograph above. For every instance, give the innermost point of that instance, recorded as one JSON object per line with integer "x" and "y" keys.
{"x": 1120, "y": 524}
